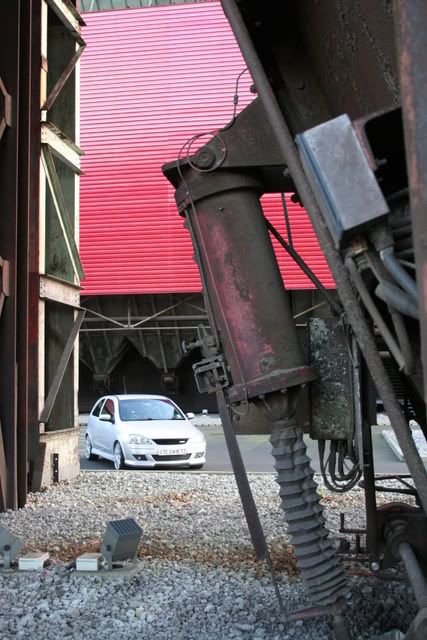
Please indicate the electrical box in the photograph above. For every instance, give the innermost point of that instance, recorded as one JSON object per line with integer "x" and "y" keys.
{"x": 341, "y": 178}
{"x": 89, "y": 562}
{"x": 33, "y": 561}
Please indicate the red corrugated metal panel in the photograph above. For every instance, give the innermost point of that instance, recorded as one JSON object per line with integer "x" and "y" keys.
{"x": 150, "y": 79}
{"x": 304, "y": 241}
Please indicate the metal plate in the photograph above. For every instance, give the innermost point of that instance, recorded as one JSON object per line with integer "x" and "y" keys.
{"x": 331, "y": 395}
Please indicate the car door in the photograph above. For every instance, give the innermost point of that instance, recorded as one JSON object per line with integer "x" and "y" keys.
{"x": 93, "y": 427}
{"x": 107, "y": 426}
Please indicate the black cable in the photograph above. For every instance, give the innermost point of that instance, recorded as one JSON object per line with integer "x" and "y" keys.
{"x": 335, "y": 307}
{"x": 215, "y": 133}
{"x": 287, "y": 221}
{"x": 340, "y": 480}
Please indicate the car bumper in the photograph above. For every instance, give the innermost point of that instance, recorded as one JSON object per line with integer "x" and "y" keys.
{"x": 151, "y": 457}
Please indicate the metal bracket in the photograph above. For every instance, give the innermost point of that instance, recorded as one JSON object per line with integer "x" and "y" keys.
{"x": 5, "y": 109}
{"x": 61, "y": 211}
{"x": 4, "y": 282}
{"x": 69, "y": 16}
{"x": 63, "y": 78}
{"x": 211, "y": 374}
{"x": 63, "y": 362}
{"x": 61, "y": 146}
{"x": 51, "y": 288}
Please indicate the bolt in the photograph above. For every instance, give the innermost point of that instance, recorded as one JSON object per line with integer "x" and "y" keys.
{"x": 380, "y": 162}
{"x": 205, "y": 158}
{"x": 375, "y": 566}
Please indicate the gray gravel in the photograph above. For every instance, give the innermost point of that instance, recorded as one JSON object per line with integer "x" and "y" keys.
{"x": 197, "y": 578}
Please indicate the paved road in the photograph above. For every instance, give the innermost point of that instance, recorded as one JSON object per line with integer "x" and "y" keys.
{"x": 256, "y": 453}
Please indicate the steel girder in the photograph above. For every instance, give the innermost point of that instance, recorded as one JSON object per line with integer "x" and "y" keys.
{"x": 19, "y": 153}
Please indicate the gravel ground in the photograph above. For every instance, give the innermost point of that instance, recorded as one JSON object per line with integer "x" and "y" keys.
{"x": 197, "y": 577}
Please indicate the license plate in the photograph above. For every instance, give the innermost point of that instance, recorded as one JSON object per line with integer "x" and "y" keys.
{"x": 172, "y": 452}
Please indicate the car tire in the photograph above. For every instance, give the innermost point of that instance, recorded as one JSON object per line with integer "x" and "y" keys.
{"x": 88, "y": 450}
{"x": 197, "y": 466}
{"x": 119, "y": 460}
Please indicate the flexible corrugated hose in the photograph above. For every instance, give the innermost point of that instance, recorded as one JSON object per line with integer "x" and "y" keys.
{"x": 316, "y": 557}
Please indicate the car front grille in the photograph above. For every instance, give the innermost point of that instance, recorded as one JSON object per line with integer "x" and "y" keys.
{"x": 186, "y": 456}
{"x": 170, "y": 440}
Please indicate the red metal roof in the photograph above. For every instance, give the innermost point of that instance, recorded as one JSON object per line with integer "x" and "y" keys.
{"x": 150, "y": 79}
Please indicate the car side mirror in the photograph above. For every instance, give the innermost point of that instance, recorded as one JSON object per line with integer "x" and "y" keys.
{"x": 190, "y": 415}
{"x": 106, "y": 417}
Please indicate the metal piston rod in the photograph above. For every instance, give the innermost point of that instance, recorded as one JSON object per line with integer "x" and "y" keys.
{"x": 254, "y": 329}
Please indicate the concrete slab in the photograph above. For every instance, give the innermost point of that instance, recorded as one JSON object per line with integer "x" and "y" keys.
{"x": 128, "y": 571}
{"x": 419, "y": 440}
{"x": 33, "y": 561}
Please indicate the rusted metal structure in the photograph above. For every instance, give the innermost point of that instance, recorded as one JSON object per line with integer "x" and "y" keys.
{"x": 40, "y": 266}
{"x": 339, "y": 120}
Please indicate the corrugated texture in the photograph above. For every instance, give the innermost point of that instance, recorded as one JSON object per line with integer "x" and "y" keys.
{"x": 150, "y": 79}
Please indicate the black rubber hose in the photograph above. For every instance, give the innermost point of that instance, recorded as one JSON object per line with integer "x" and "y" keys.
{"x": 374, "y": 313}
{"x": 403, "y": 339}
{"x": 396, "y": 270}
{"x": 395, "y": 297}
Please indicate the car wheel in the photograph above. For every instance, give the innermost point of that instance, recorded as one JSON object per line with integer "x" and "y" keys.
{"x": 119, "y": 461}
{"x": 88, "y": 450}
{"x": 197, "y": 466}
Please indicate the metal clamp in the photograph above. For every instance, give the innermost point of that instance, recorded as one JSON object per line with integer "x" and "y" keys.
{"x": 211, "y": 374}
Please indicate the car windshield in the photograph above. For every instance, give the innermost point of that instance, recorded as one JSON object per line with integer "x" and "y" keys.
{"x": 149, "y": 409}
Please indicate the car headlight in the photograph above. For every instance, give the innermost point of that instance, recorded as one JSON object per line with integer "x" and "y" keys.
{"x": 198, "y": 439}
{"x": 135, "y": 439}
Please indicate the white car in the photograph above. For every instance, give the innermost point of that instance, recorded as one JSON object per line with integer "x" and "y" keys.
{"x": 143, "y": 431}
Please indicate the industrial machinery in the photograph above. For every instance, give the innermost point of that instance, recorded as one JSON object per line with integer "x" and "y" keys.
{"x": 339, "y": 121}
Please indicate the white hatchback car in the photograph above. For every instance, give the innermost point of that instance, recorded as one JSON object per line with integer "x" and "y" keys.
{"x": 143, "y": 431}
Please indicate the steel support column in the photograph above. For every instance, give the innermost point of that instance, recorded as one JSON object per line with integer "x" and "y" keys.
{"x": 411, "y": 32}
{"x": 19, "y": 144}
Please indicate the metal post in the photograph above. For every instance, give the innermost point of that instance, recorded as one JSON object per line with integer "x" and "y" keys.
{"x": 245, "y": 492}
{"x": 55, "y": 467}
{"x": 415, "y": 575}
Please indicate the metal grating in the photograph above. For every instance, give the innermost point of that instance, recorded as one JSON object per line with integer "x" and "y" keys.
{"x": 124, "y": 527}
{"x": 164, "y": 441}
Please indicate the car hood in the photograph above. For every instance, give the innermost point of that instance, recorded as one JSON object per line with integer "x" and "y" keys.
{"x": 163, "y": 429}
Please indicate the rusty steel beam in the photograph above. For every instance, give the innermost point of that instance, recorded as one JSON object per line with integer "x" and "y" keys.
{"x": 62, "y": 365}
{"x": 19, "y": 162}
{"x": 28, "y": 243}
{"x": 59, "y": 85}
{"x": 69, "y": 16}
{"x": 9, "y": 149}
{"x": 246, "y": 496}
{"x": 411, "y": 33}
